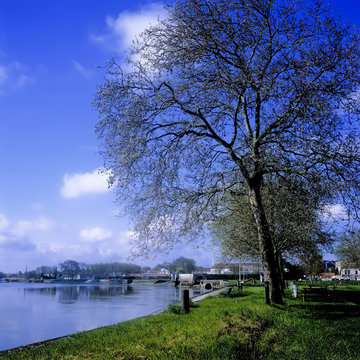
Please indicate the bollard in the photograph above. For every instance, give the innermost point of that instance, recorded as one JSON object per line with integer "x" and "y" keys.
{"x": 267, "y": 293}
{"x": 185, "y": 300}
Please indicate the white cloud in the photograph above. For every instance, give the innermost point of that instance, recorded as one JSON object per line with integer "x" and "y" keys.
{"x": 86, "y": 73}
{"x": 3, "y": 75}
{"x": 336, "y": 212}
{"x": 42, "y": 223}
{"x": 350, "y": 102}
{"x": 20, "y": 228}
{"x": 77, "y": 185}
{"x": 13, "y": 76}
{"x": 37, "y": 206}
{"x": 4, "y": 222}
{"x": 123, "y": 241}
{"x": 9, "y": 242}
{"x": 95, "y": 234}
{"x": 121, "y": 31}
{"x": 14, "y": 241}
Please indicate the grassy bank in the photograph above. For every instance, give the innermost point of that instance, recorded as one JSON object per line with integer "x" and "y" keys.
{"x": 240, "y": 327}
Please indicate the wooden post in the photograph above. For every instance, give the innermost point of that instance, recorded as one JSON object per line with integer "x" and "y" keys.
{"x": 185, "y": 300}
{"x": 267, "y": 293}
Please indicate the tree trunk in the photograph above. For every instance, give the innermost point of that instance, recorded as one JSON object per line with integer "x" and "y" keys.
{"x": 281, "y": 272}
{"x": 266, "y": 247}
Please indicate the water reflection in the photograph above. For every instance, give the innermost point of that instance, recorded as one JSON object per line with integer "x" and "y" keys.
{"x": 73, "y": 293}
{"x": 36, "y": 312}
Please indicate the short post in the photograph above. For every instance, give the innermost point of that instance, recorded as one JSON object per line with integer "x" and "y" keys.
{"x": 239, "y": 285}
{"x": 267, "y": 293}
{"x": 185, "y": 300}
{"x": 294, "y": 289}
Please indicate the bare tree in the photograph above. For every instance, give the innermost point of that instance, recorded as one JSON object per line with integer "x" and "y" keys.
{"x": 221, "y": 95}
{"x": 296, "y": 222}
{"x": 348, "y": 249}
{"x": 313, "y": 265}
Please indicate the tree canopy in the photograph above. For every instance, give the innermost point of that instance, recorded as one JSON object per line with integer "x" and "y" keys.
{"x": 70, "y": 268}
{"x": 220, "y": 96}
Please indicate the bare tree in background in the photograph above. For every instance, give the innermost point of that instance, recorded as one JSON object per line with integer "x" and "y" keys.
{"x": 296, "y": 221}
{"x": 348, "y": 249}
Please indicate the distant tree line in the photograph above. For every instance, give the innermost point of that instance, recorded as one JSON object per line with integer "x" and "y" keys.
{"x": 71, "y": 268}
{"x": 179, "y": 265}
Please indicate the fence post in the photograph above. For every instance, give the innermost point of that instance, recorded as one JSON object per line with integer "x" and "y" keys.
{"x": 185, "y": 300}
{"x": 267, "y": 293}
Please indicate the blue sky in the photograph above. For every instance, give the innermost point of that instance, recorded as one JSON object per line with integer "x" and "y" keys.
{"x": 53, "y": 204}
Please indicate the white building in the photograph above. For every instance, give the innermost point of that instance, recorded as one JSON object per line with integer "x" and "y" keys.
{"x": 220, "y": 269}
{"x": 348, "y": 271}
{"x": 164, "y": 271}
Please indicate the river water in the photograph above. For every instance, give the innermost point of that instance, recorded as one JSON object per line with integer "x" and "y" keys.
{"x": 37, "y": 312}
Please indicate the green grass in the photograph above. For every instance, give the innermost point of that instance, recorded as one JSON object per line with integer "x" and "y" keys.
{"x": 240, "y": 327}
{"x": 330, "y": 284}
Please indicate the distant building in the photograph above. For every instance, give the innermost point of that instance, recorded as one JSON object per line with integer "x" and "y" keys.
{"x": 338, "y": 265}
{"x": 164, "y": 271}
{"x": 220, "y": 269}
{"x": 348, "y": 271}
{"x": 246, "y": 268}
{"x": 329, "y": 264}
{"x": 327, "y": 276}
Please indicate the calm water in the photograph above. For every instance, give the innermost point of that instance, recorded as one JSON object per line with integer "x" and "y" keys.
{"x": 36, "y": 312}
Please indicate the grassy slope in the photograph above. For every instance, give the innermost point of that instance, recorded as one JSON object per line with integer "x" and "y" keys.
{"x": 220, "y": 328}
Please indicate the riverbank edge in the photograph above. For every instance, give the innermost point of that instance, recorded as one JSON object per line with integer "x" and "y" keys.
{"x": 222, "y": 327}
{"x": 66, "y": 337}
